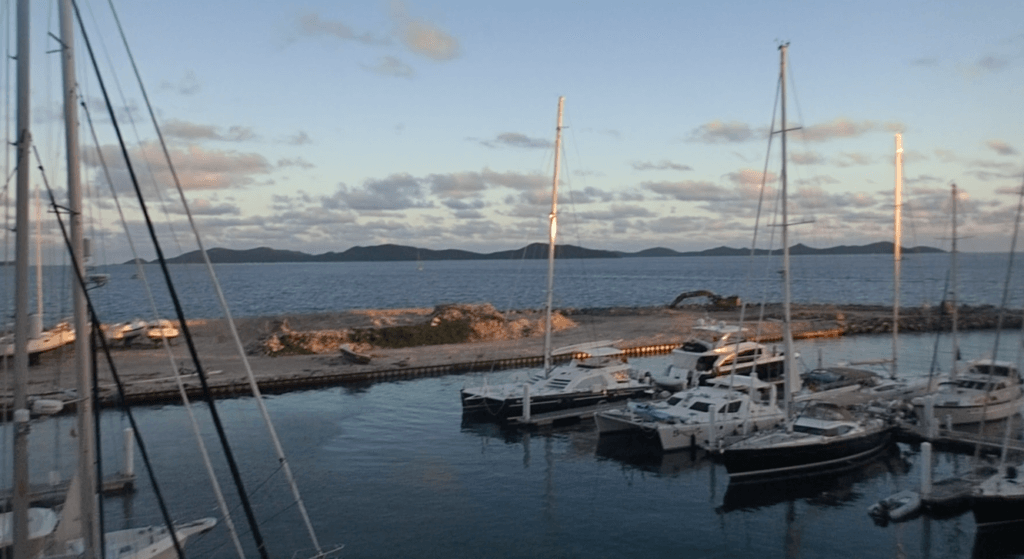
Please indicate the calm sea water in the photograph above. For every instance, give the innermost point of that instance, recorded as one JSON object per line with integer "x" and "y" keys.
{"x": 266, "y": 289}
{"x": 390, "y": 470}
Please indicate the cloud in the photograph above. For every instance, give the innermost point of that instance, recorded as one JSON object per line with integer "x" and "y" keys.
{"x": 297, "y": 162}
{"x": 300, "y": 138}
{"x": 663, "y": 165}
{"x": 197, "y": 168}
{"x": 187, "y": 85}
{"x": 750, "y": 177}
{"x": 924, "y": 61}
{"x": 514, "y": 139}
{"x": 988, "y": 64}
{"x": 845, "y": 128}
{"x": 185, "y": 130}
{"x": 817, "y": 180}
{"x": 806, "y": 158}
{"x": 205, "y": 207}
{"x": 689, "y": 191}
{"x": 1001, "y": 147}
{"x": 391, "y": 66}
{"x": 718, "y": 132}
{"x": 422, "y": 37}
{"x": 849, "y": 159}
{"x": 399, "y": 191}
{"x": 312, "y": 26}
{"x": 618, "y": 212}
{"x": 457, "y": 185}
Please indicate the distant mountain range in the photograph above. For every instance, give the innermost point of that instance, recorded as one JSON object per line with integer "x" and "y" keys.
{"x": 396, "y": 253}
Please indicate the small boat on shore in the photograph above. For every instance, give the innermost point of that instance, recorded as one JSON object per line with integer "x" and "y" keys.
{"x": 162, "y": 329}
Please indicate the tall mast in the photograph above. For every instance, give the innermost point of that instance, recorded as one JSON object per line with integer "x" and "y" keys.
{"x": 86, "y": 431}
{"x": 953, "y": 272}
{"x": 897, "y": 251}
{"x": 786, "y": 301}
{"x": 21, "y": 227}
{"x": 552, "y": 235}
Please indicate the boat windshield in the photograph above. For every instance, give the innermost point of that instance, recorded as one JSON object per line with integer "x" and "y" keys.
{"x": 701, "y": 406}
{"x": 994, "y": 370}
{"x": 706, "y": 363}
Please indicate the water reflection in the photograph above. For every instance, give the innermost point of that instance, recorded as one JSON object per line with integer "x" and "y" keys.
{"x": 998, "y": 543}
{"x": 648, "y": 456}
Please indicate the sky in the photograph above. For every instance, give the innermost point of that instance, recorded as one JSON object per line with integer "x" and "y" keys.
{"x": 319, "y": 126}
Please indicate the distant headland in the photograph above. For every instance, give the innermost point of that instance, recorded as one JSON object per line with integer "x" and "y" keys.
{"x": 535, "y": 251}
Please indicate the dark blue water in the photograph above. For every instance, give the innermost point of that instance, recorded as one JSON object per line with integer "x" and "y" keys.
{"x": 390, "y": 470}
{"x": 267, "y": 289}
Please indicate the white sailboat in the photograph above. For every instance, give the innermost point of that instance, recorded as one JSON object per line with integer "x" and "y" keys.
{"x": 822, "y": 436}
{"x": 599, "y": 373}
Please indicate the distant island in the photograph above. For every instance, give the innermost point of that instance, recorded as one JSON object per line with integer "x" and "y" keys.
{"x": 535, "y": 251}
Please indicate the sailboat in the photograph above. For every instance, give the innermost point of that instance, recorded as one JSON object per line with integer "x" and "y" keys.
{"x": 822, "y": 436}
{"x": 983, "y": 390}
{"x": 76, "y": 533}
{"x": 597, "y": 373}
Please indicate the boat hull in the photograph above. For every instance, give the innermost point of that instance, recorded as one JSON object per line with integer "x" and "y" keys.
{"x": 964, "y": 415}
{"x": 502, "y": 409}
{"x": 674, "y": 436}
{"x": 755, "y": 461}
{"x": 995, "y": 511}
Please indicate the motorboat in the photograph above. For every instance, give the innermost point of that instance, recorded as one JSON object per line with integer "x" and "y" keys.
{"x": 986, "y": 390}
{"x": 699, "y": 416}
{"x": 719, "y": 349}
{"x": 595, "y": 375}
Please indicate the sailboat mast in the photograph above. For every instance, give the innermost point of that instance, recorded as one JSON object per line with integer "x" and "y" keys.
{"x": 21, "y": 226}
{"x": 953, "y": 272}
{"x": 552, "y": 235}
{"x": 897, "y": 252}
{"x": 787, "y": 299}
{"x": 86, "y": 435}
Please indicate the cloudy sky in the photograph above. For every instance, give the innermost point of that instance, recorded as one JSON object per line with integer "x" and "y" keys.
{"x": 318, "y": 126}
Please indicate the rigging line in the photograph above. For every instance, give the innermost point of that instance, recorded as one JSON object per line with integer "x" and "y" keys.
{"x": 186, "y": 401}
{"x": 757, "y": 219}
{"x": 163, "y": 204}
{"x": 5, "y": 366}
{"x": 229, "y": 455}
{"x": 113, "y": 370}
{"x": 999, "y": 322}
{"x": 279, "y": 450}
